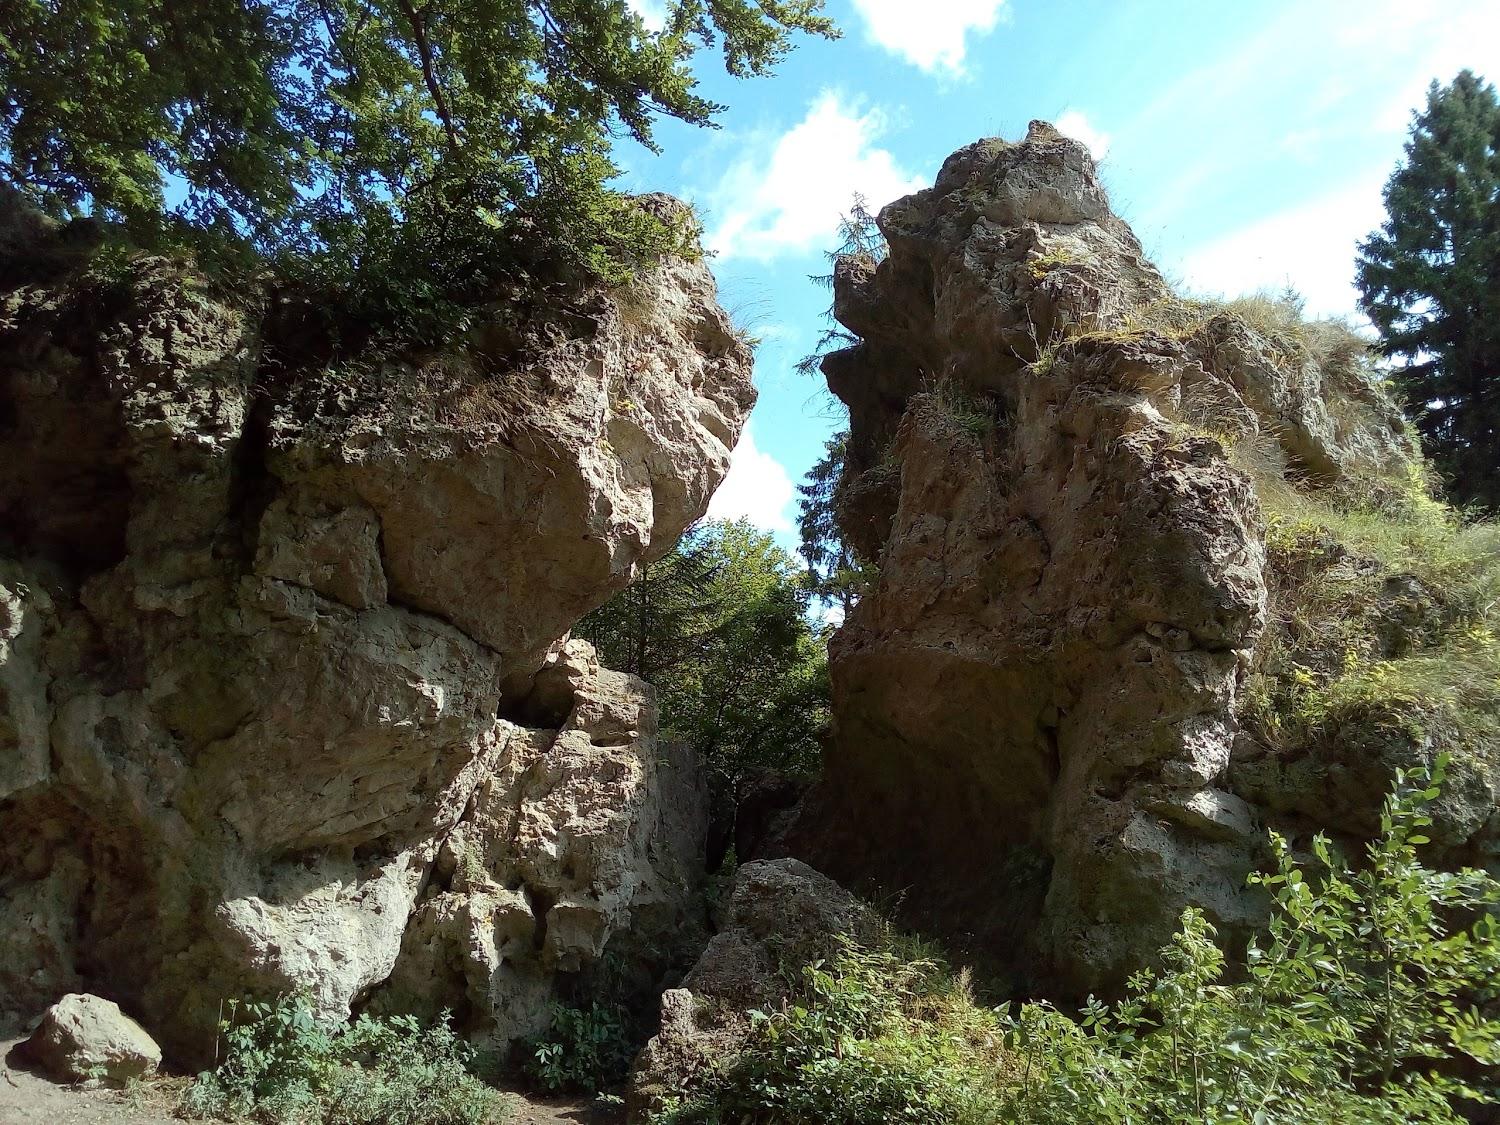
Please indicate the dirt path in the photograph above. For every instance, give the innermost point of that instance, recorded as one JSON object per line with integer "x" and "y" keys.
{"x": 27, "y": 1098}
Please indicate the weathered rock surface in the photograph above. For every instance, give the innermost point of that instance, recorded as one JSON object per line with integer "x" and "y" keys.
{"x": 1035, "y": 706}
{"x": 780, "y": 915}
{"x": 283, "y": 702}
{"x": 84, "y": 1036}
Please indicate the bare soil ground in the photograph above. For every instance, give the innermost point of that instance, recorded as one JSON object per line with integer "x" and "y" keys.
{"x": 29, "y": 1098}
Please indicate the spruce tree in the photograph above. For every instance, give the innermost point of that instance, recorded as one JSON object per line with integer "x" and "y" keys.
{"x": 833, "y": 572}
{"x": 1430, "y": 279}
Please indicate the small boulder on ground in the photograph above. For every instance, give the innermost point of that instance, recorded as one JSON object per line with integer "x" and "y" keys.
{"x": 84, "y": 1036}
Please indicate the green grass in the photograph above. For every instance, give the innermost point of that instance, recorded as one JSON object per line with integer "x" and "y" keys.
{"x": 1386, "y": 610}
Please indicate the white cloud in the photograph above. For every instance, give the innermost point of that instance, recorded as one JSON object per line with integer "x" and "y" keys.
{"x": 757, "y": 488}
{"x": 786, "y": 194}
{"x": 1074, "y": 123}
{"x": 1310, "y": 246}
{"x": 653, "y": 12}
{"x": 1445, "y": 37}
{"x": 931, "y": 34}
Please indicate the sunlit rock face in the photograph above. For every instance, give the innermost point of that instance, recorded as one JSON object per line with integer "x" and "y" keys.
{"x": 284, "y": 696}
{"x": 1035, "y": 706}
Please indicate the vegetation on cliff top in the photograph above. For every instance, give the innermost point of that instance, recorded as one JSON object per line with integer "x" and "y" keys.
{"x": 383, "y": 149}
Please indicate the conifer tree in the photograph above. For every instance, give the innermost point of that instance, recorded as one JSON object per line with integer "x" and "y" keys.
{"x": 833, "y": 573}
{"x": 1430, "y": 279}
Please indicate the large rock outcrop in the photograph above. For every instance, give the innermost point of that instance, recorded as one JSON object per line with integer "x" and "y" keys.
{"x": 284, "y": 702}
{"x": 1036, "y": 705}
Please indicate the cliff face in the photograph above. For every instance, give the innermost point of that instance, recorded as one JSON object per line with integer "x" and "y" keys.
{"x": 1038, "y": 706}
{"x": 283, "y": 698}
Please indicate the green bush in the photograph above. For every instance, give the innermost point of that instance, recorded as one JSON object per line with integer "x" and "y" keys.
{"x": 585, "y": 1049}
{"x": 871, "y": 1036}
{"x": 1370, "y": 998}
{"x": 1362, "y": 1003}
{"x": 283, "y": 1066}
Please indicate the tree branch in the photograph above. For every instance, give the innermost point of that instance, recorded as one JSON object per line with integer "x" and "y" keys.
{"x": 418, "y": 23}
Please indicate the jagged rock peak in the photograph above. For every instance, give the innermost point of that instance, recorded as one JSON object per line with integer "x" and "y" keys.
{"x": 284, "y": 696}
{"x": 1058, "y": 465}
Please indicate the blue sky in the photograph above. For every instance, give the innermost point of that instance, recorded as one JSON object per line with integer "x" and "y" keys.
{"x": 1246, "y": 143}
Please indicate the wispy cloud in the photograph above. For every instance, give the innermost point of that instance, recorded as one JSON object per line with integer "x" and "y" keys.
{"x": 1310, "y": 247}
{"x": 785, "y": 193}
{"x": 757, "y": 488}
{"x": 1075, "y": 123}
{"x": 932, "y": 34}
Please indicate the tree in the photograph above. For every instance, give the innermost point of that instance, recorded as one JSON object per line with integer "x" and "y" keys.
{"x": 1430, "y": 280}
{"x": 833, "y": 573}
{"x": 859, "y": 237}
{"x": 375, "y": 143}
{"x": 720, "y": 629}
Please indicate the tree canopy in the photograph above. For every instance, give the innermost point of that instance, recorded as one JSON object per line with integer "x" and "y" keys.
{"x": 1430, "y": 279}
{"x": 720, "y": 629}
{"x": 365, "y": 139}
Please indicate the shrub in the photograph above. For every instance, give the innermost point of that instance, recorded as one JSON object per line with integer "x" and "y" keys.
{"x": 585, "y": 1049}
{"x": 1362, "y": 1003}
{"x": 283, "y": 1066}
{"x": 873, "y": 1035}
{"x": 1368, "y": 999}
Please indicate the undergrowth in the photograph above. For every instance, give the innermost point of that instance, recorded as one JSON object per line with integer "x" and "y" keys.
{"x": 1390, "y": 606}
{"x": 585, "y": 1049}
{"x": 1364, "y": 1001}
{"x": 284, "y": 1066}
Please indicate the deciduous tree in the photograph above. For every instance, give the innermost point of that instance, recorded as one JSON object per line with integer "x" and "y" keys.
{"x": 388, "y": 146}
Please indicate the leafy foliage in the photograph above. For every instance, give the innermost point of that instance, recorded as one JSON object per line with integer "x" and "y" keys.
{"x": 1430, "y": 280}
{"x": 872, "y": 1036}
{"x": 390, "y": 147}
{"x": 1363, "y": 1003}
{"x": 1370, "y": 998}
{"x": 585, "y": 1049}
{"x": 283, "y": 1066}
{"x": 720, "y": 628}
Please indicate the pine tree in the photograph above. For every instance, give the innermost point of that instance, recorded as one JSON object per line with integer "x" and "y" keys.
{"x": 1430, "y": 279}
{"x": 833, "y": 573}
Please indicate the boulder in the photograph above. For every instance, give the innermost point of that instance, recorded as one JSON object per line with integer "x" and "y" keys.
{"x": 780, "y": 915}
{"x": 84, "y": 1036}
{"x": 282, "y": 639}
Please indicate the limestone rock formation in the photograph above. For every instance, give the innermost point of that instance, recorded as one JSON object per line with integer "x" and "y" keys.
{"x": 83, "y": 1036}
{"x": 780, "y": 914}
{"x": 1036, "y": 706}
{"x": 284, "y": 698}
